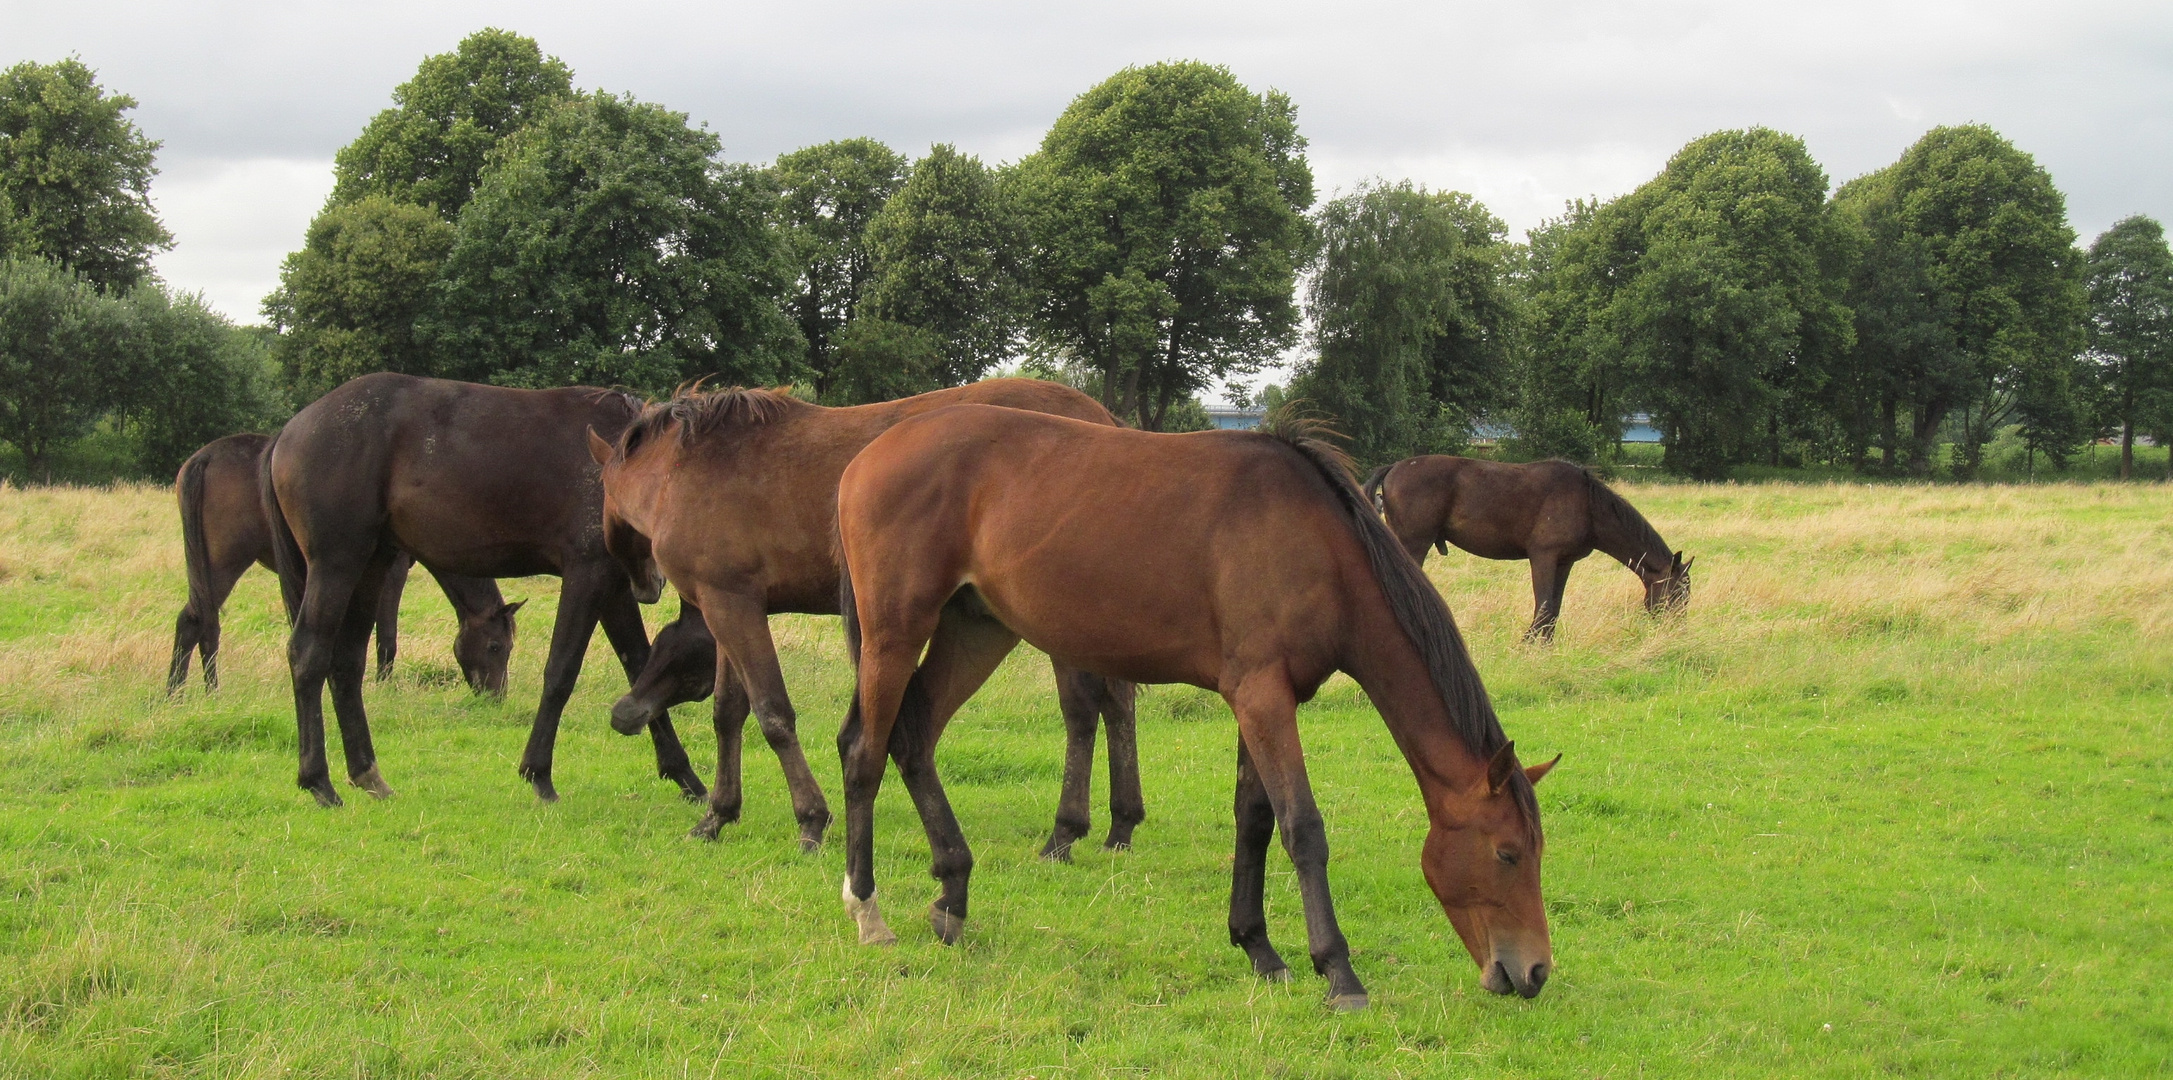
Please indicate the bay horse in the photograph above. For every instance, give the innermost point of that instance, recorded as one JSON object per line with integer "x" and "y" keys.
{"x": 1552, "y": 513}
{"x": 732, "y": 496}
{"x": 223, "y": 532}
{"x": 483, "y": 481}
{"x": 1247, "y": 563}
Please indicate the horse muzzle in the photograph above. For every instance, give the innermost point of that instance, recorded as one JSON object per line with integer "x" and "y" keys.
{"x": 1513, "y": 976}
{"x": 630, "y": 715}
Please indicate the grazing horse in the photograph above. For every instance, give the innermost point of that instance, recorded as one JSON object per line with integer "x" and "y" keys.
{"x": 1550, "y": 512}
{"x": 1247, "y": 563}
{"x": 223, "y": 531}
{"x": 732, "y": 495}
{"x": 477, "y": 480}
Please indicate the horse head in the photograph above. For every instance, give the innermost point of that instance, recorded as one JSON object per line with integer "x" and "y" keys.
{"x": 485, "y": 647}
{"x": 682, "y": 667}
{"x": 1482, "y": 861}
{"x": 626, "y": 543}
{"x": 1666, "y": 589}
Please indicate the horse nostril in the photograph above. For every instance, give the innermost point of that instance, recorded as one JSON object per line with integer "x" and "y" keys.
{"x": 1535, "y": 980}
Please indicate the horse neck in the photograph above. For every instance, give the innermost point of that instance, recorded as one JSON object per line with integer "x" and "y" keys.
{"x": 1628, "y": 546}
{"x": 1396, "y": 680}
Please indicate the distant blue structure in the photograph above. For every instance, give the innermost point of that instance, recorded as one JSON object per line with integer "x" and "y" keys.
{"x": 1236, "y": 419}
{"x": 1640, "y": 429}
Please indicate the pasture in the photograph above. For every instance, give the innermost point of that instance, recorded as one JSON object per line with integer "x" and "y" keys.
{"x": 1896, "y": 796}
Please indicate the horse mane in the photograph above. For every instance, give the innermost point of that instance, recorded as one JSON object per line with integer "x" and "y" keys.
{"x": 699, "y": 412}
{"x": 1417, "y": 606}
{"x": 1610, "y": 509}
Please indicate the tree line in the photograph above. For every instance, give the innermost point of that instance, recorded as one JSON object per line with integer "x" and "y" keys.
{"x": 498, "y": 225}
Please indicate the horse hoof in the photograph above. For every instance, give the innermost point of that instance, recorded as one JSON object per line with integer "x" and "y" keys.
{"x": 325, "y": 796}
{"x": 811, "y": 835}
{"x": 1114, "y": 844}
{"x": 1344, "y": 1003}
{"x": 867, "y": 918}
{"x": 947, "y": 926}
{"x": 707, "y": 828}
{"x": 373, "y": 783}
{"x": 690, "y": 789}
{"x": 1276, "y": 975}
{"x": 544, "y": 790}
{"x": 811, "y": 845}
{"x": 1056, "y": 852}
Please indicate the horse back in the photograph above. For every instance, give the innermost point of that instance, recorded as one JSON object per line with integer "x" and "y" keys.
{"x": 1494, "y": 509}
{"x": 1138, "y": 555}
{"x": 228, "y": 527}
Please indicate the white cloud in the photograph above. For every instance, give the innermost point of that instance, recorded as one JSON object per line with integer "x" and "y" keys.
{"x": 233, "y": 221}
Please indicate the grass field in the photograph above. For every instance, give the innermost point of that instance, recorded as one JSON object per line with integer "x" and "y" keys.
{"x": 1893, "y": 798}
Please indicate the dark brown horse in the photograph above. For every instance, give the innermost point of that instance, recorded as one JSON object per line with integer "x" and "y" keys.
{"x": 732, "y": 496}
{"x": 223, "y": 531}
{"x": 476, "y": 480}
{"x": 1244, "y": 562}
{"x": 1550, "y": 512}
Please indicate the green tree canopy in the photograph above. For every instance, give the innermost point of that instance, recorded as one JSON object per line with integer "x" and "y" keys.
{"x": 1567, "y": 393}
{"x": 2130, "y": 287}
{"x": 827, "y": 196}
{"x": 1166, "y": 209}
{"x": 1733, "y": 299}
{"x": 1412, "y": 317}
{"x": 349, "y": 301}
{"x": 607, "y": 244}
{"x": 193, "y": 376}
{"x": 944, "y": 254}
{"x": 431, "y": 146}
{"x": 61, "y": 343}
{"x": 75, "y": 175}
{"x": 1973, "y": 305}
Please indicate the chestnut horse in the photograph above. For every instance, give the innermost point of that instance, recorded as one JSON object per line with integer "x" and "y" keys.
{"x": 732, "y": 495}
{"x": 223, "y": 532}
{"x": 1550, "y": 512}
{"x": 1242, "y": 562}
{"x": 477, "y": 480}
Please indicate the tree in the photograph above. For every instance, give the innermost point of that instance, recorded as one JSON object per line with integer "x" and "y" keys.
{"x": 430, "y": 148}
{"x": 608, "y": 244}
{"x": 75, "y": 175}
{"x": 348, "y": 302}
{"x": 945, "y": 261}
{"x": 2130, "y": 286}
{"x": 828, "y": 195}
{"x": 61, "y": 347}
{"x": 1412, "y": 317}
{"x": 1975, "y": 302}
{"x": 1166, "y": 211}
{"x": 195, "y": 376}
{"x": 1568, "y": 398}
{"x": 1734, "y": 299}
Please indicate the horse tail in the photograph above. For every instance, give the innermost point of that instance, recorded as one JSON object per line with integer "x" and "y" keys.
{"x": 286, "y": 551}
{"x": 1373, "y": 483}
{"x": 1418, "y": 609}
{"x": 195, "y": 561}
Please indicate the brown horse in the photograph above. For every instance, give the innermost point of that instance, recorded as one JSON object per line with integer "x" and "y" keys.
{"x": 1550, "y": 512}
{"x": 1243, "y": 562}
{"x": 739, "y": 510}
{"x": 223, "y": 531}
{"x": 477, "y": 480}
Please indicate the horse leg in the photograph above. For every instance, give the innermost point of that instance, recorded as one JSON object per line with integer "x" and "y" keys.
{"x": 1267, "y": 718}
{"x": 1561, "y": 585}
{"x": 1546, "y": 602}
{"x": 630, "y": 640}
{"x": 311, "y": 650}
{"x": 728, "y": 715}
{"x": 966, "y": 649}
{"x": 388, "y": 613}
{"x": 1126, "y": 807}
{"x": 1077, "y": 698}
{"x": 197, "y": 628}
{"x": 349, "y": 666}
{"x": 742, "y": 629}
{"x": 577, "y": 602}
{"x": 1248, "y": 872}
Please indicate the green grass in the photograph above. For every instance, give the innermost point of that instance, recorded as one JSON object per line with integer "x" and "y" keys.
{"x": 1894, "y": 797}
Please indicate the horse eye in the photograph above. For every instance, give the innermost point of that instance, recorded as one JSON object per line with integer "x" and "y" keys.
{"x": 1508, "y": 858}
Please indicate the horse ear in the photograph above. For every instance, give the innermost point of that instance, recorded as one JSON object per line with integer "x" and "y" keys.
{"x": 507, "y": 610}
{"x": 598, "y": 448}
{"x": 1536, "y": 773}
{"x": 1688, "y": 561}
{"x": 1498, "y": 770}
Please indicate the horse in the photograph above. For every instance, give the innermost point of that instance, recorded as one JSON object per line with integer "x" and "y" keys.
{"x": 1247, "y": 563}
{"x": 483, "y": 481}
{"x": 732, "y": 496}
{"x": 1550, "y": 512}
{"x": 223, "y": 531}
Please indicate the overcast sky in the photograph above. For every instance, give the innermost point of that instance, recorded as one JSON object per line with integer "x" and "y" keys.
{"x": 1524, "y": 105}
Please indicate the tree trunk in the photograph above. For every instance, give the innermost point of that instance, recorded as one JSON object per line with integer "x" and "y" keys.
{"x": 1889, "y": 434}
{"x": 2127, "y": 432}
{"x": 1925, "y": 436}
